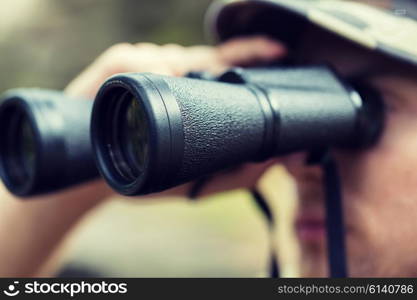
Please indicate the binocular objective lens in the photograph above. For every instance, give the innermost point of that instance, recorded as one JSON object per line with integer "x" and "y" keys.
{"x": 131, "y": 139}
{"x": 136, "y": 135}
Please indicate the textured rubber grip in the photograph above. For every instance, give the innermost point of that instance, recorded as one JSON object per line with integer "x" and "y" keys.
{"x": 223, "y": 125}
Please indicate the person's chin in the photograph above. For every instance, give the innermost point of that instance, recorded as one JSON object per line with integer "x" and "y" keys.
{"x": 310, "y": 228}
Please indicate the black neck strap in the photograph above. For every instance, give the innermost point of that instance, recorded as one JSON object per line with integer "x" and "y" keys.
{"x": 334, "y": 219}
{"x": 334, "y": 215}
{"x": 335, "y": 228}
{"x": 266, "y": 211}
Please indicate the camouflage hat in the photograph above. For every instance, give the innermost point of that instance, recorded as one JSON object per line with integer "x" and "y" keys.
{"x": 392, "y": 31}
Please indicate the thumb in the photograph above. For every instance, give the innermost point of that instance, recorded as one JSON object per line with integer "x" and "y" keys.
{"x": 250, "y": 50}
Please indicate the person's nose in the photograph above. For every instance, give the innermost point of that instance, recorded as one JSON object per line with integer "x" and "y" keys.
{"x": 301, "y": 166}
{"x": 294, "y": 161}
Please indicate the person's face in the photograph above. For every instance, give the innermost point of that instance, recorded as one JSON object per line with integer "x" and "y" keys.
{"x": 379, "y": 184}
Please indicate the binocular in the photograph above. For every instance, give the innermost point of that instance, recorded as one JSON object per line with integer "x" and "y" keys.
{"x": 150, "y": 133}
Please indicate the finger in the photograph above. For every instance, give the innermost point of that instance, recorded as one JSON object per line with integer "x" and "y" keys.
{"x": 245, "y": 176}
{"x": 147, "y": 46}
{"x": 176, "y": 57}
{"x": 236, "y": 52}
{"x": 250, "y": 50}
{"x": 120, "y": 58}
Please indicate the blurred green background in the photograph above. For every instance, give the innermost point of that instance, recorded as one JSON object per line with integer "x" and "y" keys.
{"x": 46, "y": 43}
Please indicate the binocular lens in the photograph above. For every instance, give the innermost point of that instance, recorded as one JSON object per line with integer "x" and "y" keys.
{"x": 130, "y": 140}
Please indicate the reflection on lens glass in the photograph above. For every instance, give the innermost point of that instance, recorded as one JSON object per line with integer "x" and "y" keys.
{"x": 129, "y": 139}
{"x": 27, "y": 148}
{"x": 130, "y": 145}
{"x": 136, "y": 136}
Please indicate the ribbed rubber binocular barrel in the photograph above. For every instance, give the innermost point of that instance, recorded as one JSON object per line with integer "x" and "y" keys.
{"x": 151, "y": 132}
{"x": 45, "y": 141}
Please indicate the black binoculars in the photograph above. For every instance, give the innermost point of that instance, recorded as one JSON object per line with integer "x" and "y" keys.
{"x": 151, "y": 132}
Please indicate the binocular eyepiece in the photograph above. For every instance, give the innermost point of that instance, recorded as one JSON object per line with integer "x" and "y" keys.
{"x": 151, "y": 132}
{"x": 45, "y": 141}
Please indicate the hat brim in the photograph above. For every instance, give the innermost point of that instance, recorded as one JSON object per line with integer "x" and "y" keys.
{"x": 370, "y": 27}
